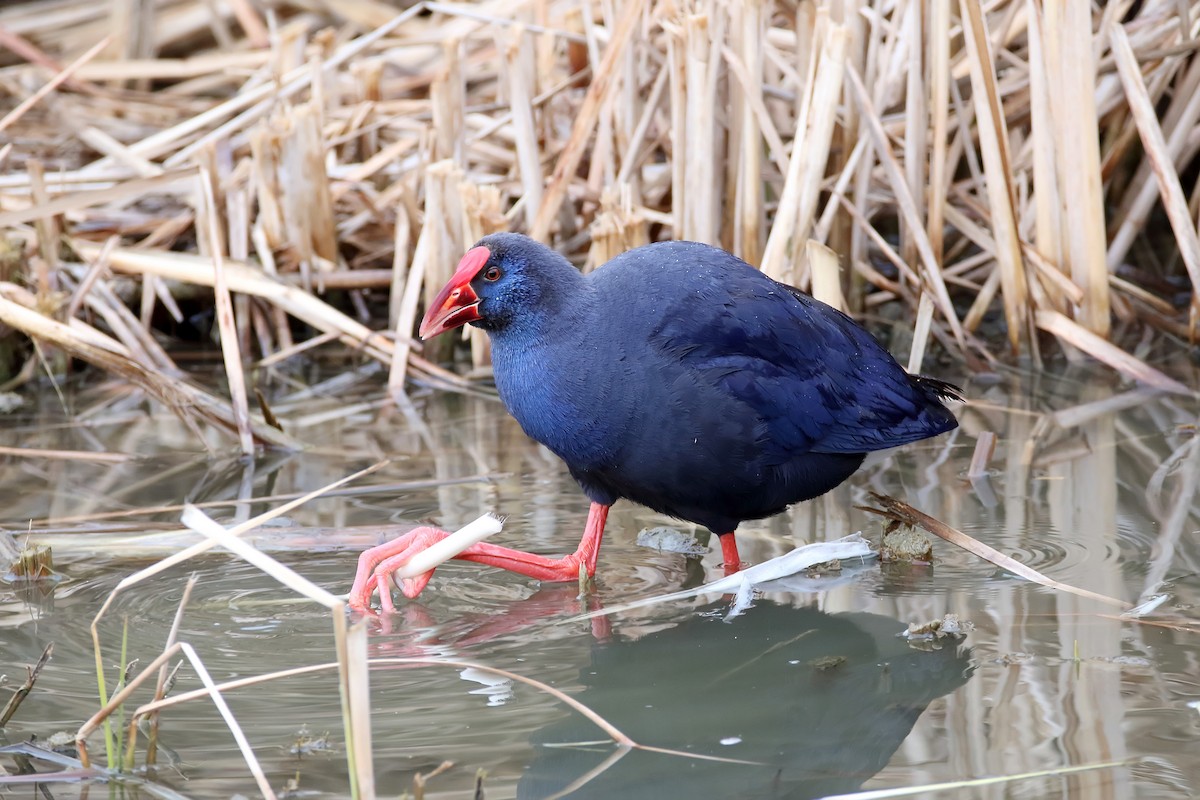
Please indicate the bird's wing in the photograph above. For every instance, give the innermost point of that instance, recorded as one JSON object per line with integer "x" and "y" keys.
{"x": 818, "y": 381}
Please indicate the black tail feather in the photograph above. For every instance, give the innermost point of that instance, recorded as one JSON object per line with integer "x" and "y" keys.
{"x": 938, "y": 389}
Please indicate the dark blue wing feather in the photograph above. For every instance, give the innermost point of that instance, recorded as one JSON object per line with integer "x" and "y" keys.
{"x": 819, "y": 382}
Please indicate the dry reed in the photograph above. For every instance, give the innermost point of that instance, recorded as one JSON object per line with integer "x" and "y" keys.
{"x": 1001, "y": 172}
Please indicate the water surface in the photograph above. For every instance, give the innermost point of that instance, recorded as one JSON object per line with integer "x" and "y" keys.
{"x": 1093, "y": 484}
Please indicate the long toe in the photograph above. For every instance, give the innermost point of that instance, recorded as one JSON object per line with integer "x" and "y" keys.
{"x": 359, "y": 598}
{"x": 410, "y": 586}
{"x": 376, "y": 566}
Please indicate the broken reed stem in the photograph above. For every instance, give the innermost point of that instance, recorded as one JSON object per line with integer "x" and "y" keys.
{"x": 585, "y": 120}
{"x": 230, "y": 349}
{"x": 1075, "y": 334}
{"x": 907, "y": 206}
{"x": 242, "y": 278}
{"x": 18, "y": 697}
{"x": 985, "y": 448}
{"x": 1069, "y": 25}
{"x": 201, "y": 547}
{"x": 1158, "y": 154}
{"x": 65, "y": 455}
{"x": 973, "y": 783}
{"x": 921, "y": 330}
{"x": 1047, "y": 202}
{"x": 813, "y": 130}
{"x": 993, "y": 141}
{"x": 699, "y": 195}
{"x": 520, "y": 66}
{"x": 354, "y": 684}
{"x": 754, "y": 120}
{"x": 190, "y": 402}
{"x": 826, "y": 275}
{"x": 160, "y": 686}
{"x": 353, "y": 698}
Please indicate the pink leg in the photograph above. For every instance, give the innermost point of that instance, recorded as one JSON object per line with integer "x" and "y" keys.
{"x": 376, "y": 566}
{"x": 729, "y": 550}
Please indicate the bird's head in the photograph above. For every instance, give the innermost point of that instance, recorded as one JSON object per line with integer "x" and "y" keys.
{"x": 502, "y": 278}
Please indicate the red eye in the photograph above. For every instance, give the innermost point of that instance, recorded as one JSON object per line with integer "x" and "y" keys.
{"x": 492, "y": 274}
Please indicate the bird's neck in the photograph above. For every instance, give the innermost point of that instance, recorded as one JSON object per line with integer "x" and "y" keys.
{"x": 555, "y": 378}
{"x": 534, "y": 357}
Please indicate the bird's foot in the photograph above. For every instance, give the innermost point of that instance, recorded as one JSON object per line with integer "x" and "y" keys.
{"x": 377, "y": 565}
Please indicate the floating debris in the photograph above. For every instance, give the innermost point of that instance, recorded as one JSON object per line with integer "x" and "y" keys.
{"x": 670, "y": 540}
{"x": 1013, "y": 659}
{"x": 1142, "y": 609}
{"x": 62, "y": 743}
{"x": 906, "y": 546}
{"x": 827, "y": 663}
{"x": 948, "y": 626}
{"x": 798, "y": 560}
{"x": 1123, "y": 661}
{"x": 306, "y": 745}
{"x": 497, "y": 689}
{"x": 824, "y": 568}
{"x": 32, "y": 564}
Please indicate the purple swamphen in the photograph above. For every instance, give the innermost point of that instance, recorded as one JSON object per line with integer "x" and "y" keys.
{"x": 676, "y": 376}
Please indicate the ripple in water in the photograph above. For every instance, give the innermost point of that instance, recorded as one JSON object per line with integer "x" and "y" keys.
{"x": 1044, "y": 549}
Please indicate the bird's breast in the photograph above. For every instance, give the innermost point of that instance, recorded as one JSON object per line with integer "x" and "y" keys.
{"x": 571, "y": 405}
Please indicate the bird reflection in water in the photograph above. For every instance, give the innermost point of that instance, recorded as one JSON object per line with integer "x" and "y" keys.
{"x": 820, "y": 701}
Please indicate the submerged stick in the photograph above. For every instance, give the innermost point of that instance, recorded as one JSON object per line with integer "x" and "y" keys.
{"x": 20, "y": 694}
{"x": 909, "y": 791}
{"x": 65, "y": 455}
{"x": 389, "y": 488}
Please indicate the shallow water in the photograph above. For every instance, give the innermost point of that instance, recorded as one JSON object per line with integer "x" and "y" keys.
{"x": 1091, "y": 484}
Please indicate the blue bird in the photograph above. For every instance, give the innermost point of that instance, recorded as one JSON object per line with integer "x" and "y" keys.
{"x": 675, "y": 376}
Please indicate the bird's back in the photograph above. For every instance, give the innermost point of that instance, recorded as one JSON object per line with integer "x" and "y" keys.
{"x": 783, "y": 352}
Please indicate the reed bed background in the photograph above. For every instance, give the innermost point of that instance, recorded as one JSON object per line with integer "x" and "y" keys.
{"x": 1006, "y": 181}
{"x": 310, "y": 172}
